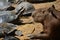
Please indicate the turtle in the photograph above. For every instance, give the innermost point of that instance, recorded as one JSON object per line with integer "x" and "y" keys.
{"x": 8, "y": 16}
{"x": 6, "y": 28}
{"x": 9, "y": 29}
{"x": 29, "y": 8}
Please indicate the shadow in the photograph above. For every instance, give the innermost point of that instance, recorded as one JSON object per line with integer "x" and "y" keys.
{"x": 16, "y": 22}
{"x": 19, "y": 22}
{"x": 10, "y": 8}
{"x": 40, "y": 1}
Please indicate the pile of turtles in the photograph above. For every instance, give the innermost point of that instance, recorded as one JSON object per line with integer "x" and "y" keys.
{"x": 8, "y": 14}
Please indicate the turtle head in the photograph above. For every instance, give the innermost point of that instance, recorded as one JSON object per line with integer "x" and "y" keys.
{"x": 19, "y": 13}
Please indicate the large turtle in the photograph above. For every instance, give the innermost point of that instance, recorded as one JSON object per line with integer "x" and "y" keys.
{"x": 29, "y": 8}
{"x": 7, "y": 16}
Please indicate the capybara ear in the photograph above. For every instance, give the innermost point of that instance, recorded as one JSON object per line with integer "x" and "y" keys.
{"x": 55, "y": 12}
{"x": 50, "y": 9}
{"x": 53, "y": 6}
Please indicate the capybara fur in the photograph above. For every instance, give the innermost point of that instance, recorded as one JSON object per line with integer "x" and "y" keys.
{"x": 51, "y": 23}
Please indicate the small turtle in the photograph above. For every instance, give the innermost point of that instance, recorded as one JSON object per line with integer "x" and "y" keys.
{"x": 29, "y": 8}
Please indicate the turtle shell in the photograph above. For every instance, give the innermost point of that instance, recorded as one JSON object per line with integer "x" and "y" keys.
{"x": 29, "y": 8}
{"x": 6, "y": 16}
{"x": 7, "y": 28}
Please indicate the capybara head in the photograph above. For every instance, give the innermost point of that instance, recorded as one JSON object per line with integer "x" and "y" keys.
{"x": 39, "y": 15}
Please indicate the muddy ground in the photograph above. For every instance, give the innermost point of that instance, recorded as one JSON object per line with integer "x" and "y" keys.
{"x": 28, "y": 28}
